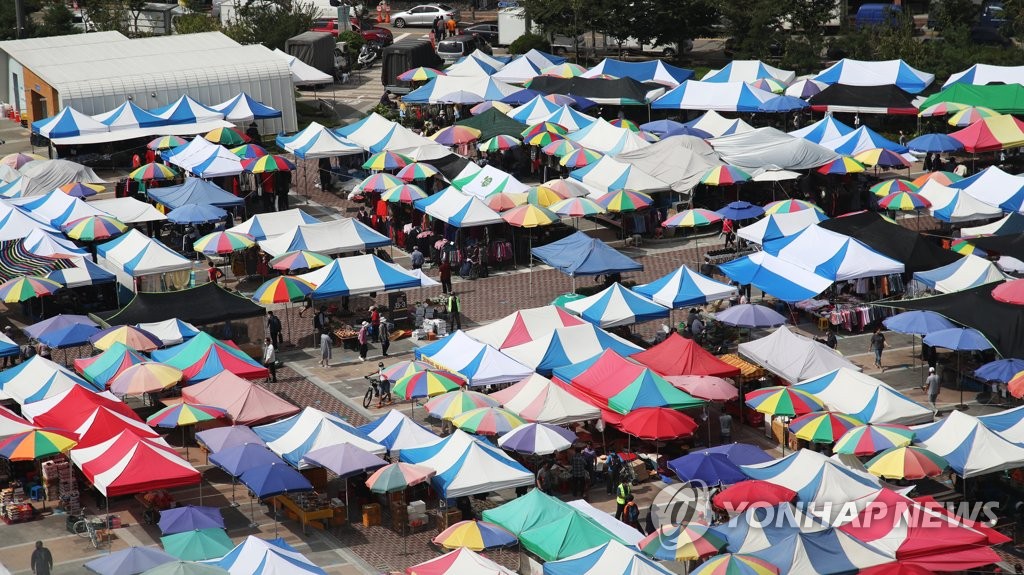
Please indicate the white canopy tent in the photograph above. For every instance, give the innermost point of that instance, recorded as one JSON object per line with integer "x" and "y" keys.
{"x": 538, "y": 399}
{"x": 608, "y": 139}
{"x": 965, "y": 273}
{"x": 793, "y": 357}
{"x": 316, "y": 141}
{"x": 309, "y": 430}
{"x": 302, "y": 73}
{"x": 467, "y": 466}
{"x": 273, "y": 224}
{"x": 771, "y": 147}
{"x": 717, "y": 125}
{"x": 983, "y": 74}
{"x": 134, "y": 255}
{"x": 956, "y": 206}
{"x": 478, "y": 362}
{"x": 992, "y": 186}
{"x": 832, "y": 255}
{"x": 486, "y": 181}
{"x": 458, "y": 209}
{"x": 970, "y": 448}
{"x": 876, "y": 73}
{"x": 748, "y": 71}
{"x": 609, "y": 174}
{"x": 775, "y": 226}
{"x": 330, "y": 237}
{"x": 129, "y": 210}
{"x": 567, "y": 345}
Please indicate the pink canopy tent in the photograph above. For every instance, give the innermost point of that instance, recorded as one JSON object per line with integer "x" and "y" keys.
{"x": 245, "y": 402}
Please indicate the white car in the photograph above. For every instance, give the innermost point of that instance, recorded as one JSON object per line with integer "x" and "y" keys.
{"x": 424, "y": 15}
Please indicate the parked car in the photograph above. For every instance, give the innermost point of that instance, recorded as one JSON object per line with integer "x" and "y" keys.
{"x": 488, "y": 32}
{"x": 367, "y": 30}
{"x": 423, "y": 15}
{"x": 451, "y": 49}
{"x": 634, "y": 46}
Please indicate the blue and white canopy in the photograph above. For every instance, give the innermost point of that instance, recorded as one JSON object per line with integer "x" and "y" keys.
{"x": 185, "y": 110}
{"x": 356, "y": 275}
{"x": 715, "y": 124}
{"x": 861, "y": 140}
{"x": 824, "y": 130}
{"x": 467, "y": 466}
{"x": 720, "y": 96}
{"x": 85, "y": 273}
{"x": 883, "y": 73}
{"x": 827, "y": 552}
{"x": 312, "y": 429}
{"x": 955, "y": 205}
{"x": 56, "y": 208}
{"x": 331, "y": 237}
{"x": 684, "y": 287}
{"x": 783, "y": 225}
{"x": 316, "y": 141}
{"x": 965, "y": 273}
{"x": 139, "y": 255}
{"x": 815, "y": 477}
{"x": 14, "y": 188}
{"x": 68, "y": 123}
{"x": 170, "y": 331}
{"x": 398, "y": 431}
{"x": 256, "y": 556}
{"x": 995, "y": 187}
{"x": 540, "y": 59}
{"x": 612, "y": 558}
{"x": 832, "y": 255}
{"x": 376, "y": 133}
{"x": 983, "y": 74}
{"x": 43, "y": 243}
{"x": 273, "y": 224}
{"x": 572, "y": 119}
{"x": 485, "y": 88}
{"x": 647, "y": 71}
{"x": 776, "y": 277}
{"x": 865, "y": 397}
{"x": 195, "y": 191}
{"x": 518, "y": 71}
{"x": 204, "y": 158}
{"x": 534, "y": 111}
{"x": 129, "y": 116}
{"x": 617, "y": 306}
{"x": 244, "y": 108}
{"x": 748, "y": 71}
{"x": 38, "y": 379}
{"x": 568, "y": 345}
{"x": 608, "y": 139}
{"x": 970, "y": 448}
{"x": 478, "y": 362}
{"x": 458, "y": 209}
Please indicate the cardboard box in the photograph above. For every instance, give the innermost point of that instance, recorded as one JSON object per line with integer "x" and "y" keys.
{"x": 371, "y": 515}
{"x": 639, "y": 470}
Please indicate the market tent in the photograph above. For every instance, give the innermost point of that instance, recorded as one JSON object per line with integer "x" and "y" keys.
{"x": 103, "y": 423}
{"x": 994, "y": 187}
{"x": 195, "y": 191}
{"x": 1007, "y": 97}
{"x": 678, "y": 161}
{"x": 534, "y": 509}
{"x": 612, "y": 557}
{"x": 954, "y": 205}
{"x": 72, "y": 407}
{"x": 273, "y": 224}
{"x": 567, "y": 536}
{"x": 646, "y": 71}
{"x": 617, "y": 306}
{"x": 777, "y": 226}
{"x": 204, "y": 356}
{"x": 534, "y": 111}
{"x": 777, "y": 277}
{"x": 85, "y": 273}
{"x": 458, "y": 209}
{"x": 518, "y": 71}
{"x": 762, "y": 147}
{"x": 127, "y": 464}
{"x": 620, "y": 530}
{"x": 888, "y": 100}
{"x": 186, "y": 110}
{"x": 968, "y": 272}
{"x": 861, "y": 140}
{"x": 1008, "y": 423}
{"x": 255, "y": 556}
{"x": 989, "y": 134}
{"x": 397, "y": 431}
{"x": 66, "y": 123}
{"x": 328, "y": 238}
{"x": 617, "y": 92}
{"x": 43, "y": 176}
{"x": 316, "y": 141}
{"x": 466, "y": 465}
{"x": 479, "y": 363}
{"x": 245, "y": 108}
{"x": 677, "y": 355}
{"x": 434, "y": 91}
{"x": 715, "y": 124}
{"x": 748, "y": 71}
{"x": 219, "y": 305}
{"x": 56, "y": 208}
{"x": 216, "y": 162}
{"x": 865, "y": 397}
{"x": 38, "y": 379}
{"x": 462, "y": 561}
{"x": 832, "y": 255}
{"x": 102, "y": 368}
{"x": 488, "y": 180}
{"x": 828, "y": 552}
{"x": 718, "y": 96}
{"x": 684, "y": 287}
{"x": 356, "y": 275}
{"x": 375, "y": 133}
{"x": 610, "y": 174}
{"x": 245, "y": 402}
{"x": 42, "y": 243}
{"x": 815, "y": 478}
{"x": 8, "y": 347}
{"x": 793, "y": 357}
{"x": 612, "y": 382}
{"x": 567, "y": 345}
{"x": 309, "y": 430}
{"x": 876, "y": 73}
{"x": 542, "y": 59}
{"x": 493, "y": 123}
{"x": 523, "y": 326}
{"x": 913, "y": 250}
{"x": 607, "y": 139}
{"x": 983, "y": 74}
{"x": 1005, "y": 246}
{"x": 970, "y": 448}
{"x": 824, "y": 130}
{"x": 1012, "y": 223}
{"x": 572, "y": 119}
{"x": 754, "y": 531}
{"x": 16, "y": 224}
{"x": 581, "y": 255}
{"x": 16, "y": 260}
{"x": 129, "y": 210}
{"x": 537, "y": 400}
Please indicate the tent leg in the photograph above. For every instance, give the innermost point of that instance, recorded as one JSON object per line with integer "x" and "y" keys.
{"x": 106, "y": 526}
{"x": 233, "y": 502}
{"x": 960, "y": 383}
{"x": 252, "y": 516}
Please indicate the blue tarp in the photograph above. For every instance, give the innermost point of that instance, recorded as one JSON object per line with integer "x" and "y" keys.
{"x": 582, "y": 255}
{"x": 195, "y": 191}
{"x": 241, "y": 458}
{"x": 275, "y": 479}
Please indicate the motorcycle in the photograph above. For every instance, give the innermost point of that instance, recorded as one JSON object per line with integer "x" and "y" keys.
{"x": 368, "y": 54}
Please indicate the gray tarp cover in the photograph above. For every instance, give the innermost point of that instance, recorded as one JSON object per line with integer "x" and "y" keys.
{"x": 765, "y": 147}
{"x": 46, "y": 175}
{"x": 679, "y": 161}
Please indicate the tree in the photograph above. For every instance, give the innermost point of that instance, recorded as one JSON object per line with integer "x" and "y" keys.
{"x": 9, "y": 21}
{"x": 57, "y": 21}
{"x": 270, "y": 22}
{"x": 106, "y": 15}
{"x": 527, "y": 42}
{"x": 195, "y": 22}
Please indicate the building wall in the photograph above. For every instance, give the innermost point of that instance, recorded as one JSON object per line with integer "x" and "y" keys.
{"x": 15, "y": 87}
{"x": 35, "y": 90}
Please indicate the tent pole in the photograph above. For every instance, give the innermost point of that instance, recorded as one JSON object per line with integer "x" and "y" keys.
{"x": 252, "y": 516}
{"x": 106, "y": 522}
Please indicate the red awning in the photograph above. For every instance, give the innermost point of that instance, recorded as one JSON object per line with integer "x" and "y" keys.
{"x": 678, "y": 355}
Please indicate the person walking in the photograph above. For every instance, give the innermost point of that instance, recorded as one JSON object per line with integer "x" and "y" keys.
{"x": 384, "y": 334}
{"x": 417, "y": 258}
{"x": 612, "y": 466}
{"x": 374, "y": 323}
{"x": 363, "y": 337}
{"x": 623, "y": 491}
{"x": 274, "y": 327}
{"x": 454, "y": 311}
{"x": 42, "y": 560}
{"x": 325, "y": 349}
{"x": 577, "y": 474}
{"x": 446, "y": 276}
{"x": 546, "y": 479}
{"x": 451, "y": 26}
{"x": 932, "y": 384}
{"x": 877, "y": 345}
{"x": 631, "y": 513}
{"x": 270, "y": 359}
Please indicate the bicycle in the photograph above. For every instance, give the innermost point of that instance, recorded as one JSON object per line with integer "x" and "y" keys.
{"x": 379, "y": 387}
{"x": 88, "y": 528}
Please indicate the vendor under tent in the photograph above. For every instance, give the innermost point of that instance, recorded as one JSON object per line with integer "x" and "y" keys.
{"x": 355, "y": 275}
{"x": 523, "y": 326}
{"x": 85, "y": 273}
{"x": 376, "y": 133}
{"x": 793, "y": 357}
{"x": 969, "y": 447}
{"x": 316, "y": 141}
{"x": 466, "y": 465}
{"x": 910, "y": 248}
{"x": 483, "y": 182}
{"x": 865, "y": 397}
{"x": 886, "y": 100}
{"x": 478, "y": 362}
{"x": 776, "y": 277}
{"x": 567, "y": 345}
{"x": 329, "y": 238}
{"x": 968, "y": 272}
{"x": 245, "y": 402}
{"x": 219, "y": 305}
{"x": 312, "y": 429}
{"x": 677, "y": 355}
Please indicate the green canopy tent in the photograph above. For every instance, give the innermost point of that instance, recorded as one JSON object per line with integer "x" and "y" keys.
{"x": 1004, "y": 98}
{"x": 568, "y": 535}
{"x": 494, "y": 123}
{"x": 531, "y": 510}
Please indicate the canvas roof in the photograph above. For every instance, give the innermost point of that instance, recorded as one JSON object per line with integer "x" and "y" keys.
{"x": 718, "y": 96}
{"x": 793, "y": 357}
{"x": 776, "y": 226}
{"x": 678, "y": 161}
{"x": 466, "y": 465}
{"x": 523, "y": 326}
{"x": 330, "y": 237}
{"x": 127, "y": 464}
{"x": 717, "y": 125}
{"x": 397, "y": 431}
{"x": 876, "y": 73}
{"x": 37, "y": 379}
{"x": 832, "y": 255}
{"x": 968, "y": 272}
{"x": 970, "y": 448}
{"x": 579, "y": 254}
{"x": 220, "y": 305}
{"x": 956, "y": 206}
{"x": 458, "y": 209}
{"x": 354, "y": 275}
{"x": 897, "y": 242}
{"x": 195, "y": 191}
{"x": 273, "y": 224}
{"x": 129, "y": 210}
{"x": 493, "y": 123}
{"x": 309, "y": 430}
{"x": 607, "y": 139}
{"x": 748, "y": 71}
{"x": 677, "y": 355}
{"x": 72, "y": 407}
{"x": 771, "y": 147}
{"x": 617, "y": 306}
{"x": 1007, "y": 97}
{"x": 865, "y": 397}
{"x": 479, "y": 363}
{"x": 567, "y": 345}
{"x": 644, "y": 71}
{"x": 537, "y": 399}
{"x": 609, "y": 174}
{"x": 815, "y": 477}
{"x": 245, "y": 402}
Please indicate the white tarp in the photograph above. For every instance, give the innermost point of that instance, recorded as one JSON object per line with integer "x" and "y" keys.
{"x": 302, "y": 73}
{"x": 866, "y": 398}
{"x": 969, "y": 447}
{"x": 793, "y": 357}
{"x": 478, "y": 362}
{"x": 956, "y": 206}
{"x": 331, "y": 237}
{"x": 679, "y": 161}
{"x": 43, "y": 176}
{"x": 771, "y": 147}
{"x": 832, "y": 255}
{"x": 129, "y": 210}
{"x": 608, "y": 139}
{"x": 609, "y": 174}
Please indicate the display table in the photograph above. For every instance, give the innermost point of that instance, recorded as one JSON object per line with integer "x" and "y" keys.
{"x": 14, "y": 505}
{"x": 748, "y": 371}
{"x": 319, "y": 516}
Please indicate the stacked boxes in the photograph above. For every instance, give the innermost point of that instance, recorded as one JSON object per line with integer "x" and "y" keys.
{"x": 417, "y": 512}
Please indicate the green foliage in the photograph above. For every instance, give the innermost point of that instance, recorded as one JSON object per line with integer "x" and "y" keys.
{"x": 527, "y": 42}
{"x": 57, "y": 21}
{"x": 194, "y": 23}
{"x": 270, "y": 22}
{"x": 649, "y": 21}
{"x": 952, "y": 13}
{"x": 106, "y": 15}
{"x": 8, "y": 20}
{"x": 386, "y": 111}
{"x": 354, "y": 42}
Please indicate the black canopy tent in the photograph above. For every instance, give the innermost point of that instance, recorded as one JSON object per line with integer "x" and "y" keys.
{"x": 1004, "y": 245}
{"x": 202, "y": 305}
{"x": 863, "y": 99}
{"x": 616, "y": 92}
{"x": 908, "y": 247}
